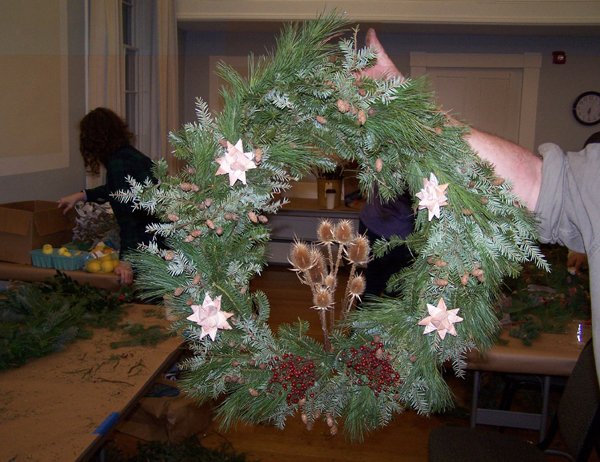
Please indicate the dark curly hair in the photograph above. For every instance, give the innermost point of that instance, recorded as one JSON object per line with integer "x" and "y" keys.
{"x": 101, "y": 132}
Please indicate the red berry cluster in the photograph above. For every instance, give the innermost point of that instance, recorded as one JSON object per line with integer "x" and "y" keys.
{"x": 371, "y": 366}
{"x": 294, "y": 373}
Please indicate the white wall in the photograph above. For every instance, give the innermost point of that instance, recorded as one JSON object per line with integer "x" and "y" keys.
{"x": 559, "y": 84}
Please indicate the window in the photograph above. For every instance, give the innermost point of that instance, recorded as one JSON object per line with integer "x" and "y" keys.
{"x": 131, "y": 53}
{"x": 137, "y": 22}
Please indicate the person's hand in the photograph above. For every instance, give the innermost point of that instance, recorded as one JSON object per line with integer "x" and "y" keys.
{"x": 384, "y": 68}
{"x": 125, "y": 273}
{"x": 68, "y": 202}
{"x": 576, "y": 261}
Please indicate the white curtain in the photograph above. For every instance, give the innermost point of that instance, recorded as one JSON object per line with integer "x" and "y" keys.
{"x": 105, "y": 56}
{"x": 164, "y": 102}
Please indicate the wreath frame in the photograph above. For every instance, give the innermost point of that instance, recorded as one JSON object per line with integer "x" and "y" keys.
{"x": 300, "y": 109}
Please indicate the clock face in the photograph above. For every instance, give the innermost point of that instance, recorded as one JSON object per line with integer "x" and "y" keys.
{"x": 586, "y": 108}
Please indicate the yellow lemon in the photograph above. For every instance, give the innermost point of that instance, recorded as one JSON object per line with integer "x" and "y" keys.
{"x": 93, "y": 266}
{"x": 47, "y": 249}
{"x": 66, "y": 253}
{"x": 108, "y": 257}
{"x": 107, "y": 266}
{"x": 63, "y": 251}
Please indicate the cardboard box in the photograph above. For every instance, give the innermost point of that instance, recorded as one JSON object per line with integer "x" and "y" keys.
{"x": 28, "y": 225}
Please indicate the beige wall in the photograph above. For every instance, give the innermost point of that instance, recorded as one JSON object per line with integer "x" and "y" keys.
{"x": 558, "y": 86}
{"x": 42, "y": 98}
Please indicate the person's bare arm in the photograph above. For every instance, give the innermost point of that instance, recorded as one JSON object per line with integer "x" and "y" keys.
{"x": 512, "y": 162}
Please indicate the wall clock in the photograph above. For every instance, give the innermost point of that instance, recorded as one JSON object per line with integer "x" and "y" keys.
{"x": 586, "y": 108}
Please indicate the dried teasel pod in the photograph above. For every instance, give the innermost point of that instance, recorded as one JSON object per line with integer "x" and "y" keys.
{"x": 343, "y": 232}
{"x": 263, "y": 219}
{"x": 322, "y": 298}
{"x": 172, "y": 217}
{"x": 253, "y": 392}
{"x": 300, "y": 256}
{"x": 357, "y": 285}
{"x": 322, "y": 120}
{"x": 379, "y": 164}
{"x": 440, "y": 282}
{"x": 178, "y": 291}
{"x": 357, "y": 251}
{"x": 169, "y": 255}
{"x": 325, "y": 231}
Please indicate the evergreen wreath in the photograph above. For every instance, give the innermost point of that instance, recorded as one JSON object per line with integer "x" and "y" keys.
{"x": 302, "y": 108}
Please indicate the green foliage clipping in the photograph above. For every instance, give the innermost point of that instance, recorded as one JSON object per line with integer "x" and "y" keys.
{"x": 302, "y": 109}
{"x": 540, "y": 301}
{"x": 39, "y": 318}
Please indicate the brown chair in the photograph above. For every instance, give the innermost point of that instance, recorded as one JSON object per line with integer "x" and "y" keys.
{"x": 577, "y": 418}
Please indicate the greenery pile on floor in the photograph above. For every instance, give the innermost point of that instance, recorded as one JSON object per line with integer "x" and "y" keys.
{"x": 540, "y": 301}
{"x": 39, "y": 318}
{"x": 190, "y": 450}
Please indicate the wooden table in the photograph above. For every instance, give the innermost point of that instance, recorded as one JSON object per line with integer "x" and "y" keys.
{"x": 21, "y": 272}
{"x": 550, "y": 355}
{"x": 58, "y": 407}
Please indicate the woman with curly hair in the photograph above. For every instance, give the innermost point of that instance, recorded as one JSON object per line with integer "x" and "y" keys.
{"x": 105, "y": 140}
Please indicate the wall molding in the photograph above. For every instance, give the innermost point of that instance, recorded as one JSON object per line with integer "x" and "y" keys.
{"x": 501, "y": 12}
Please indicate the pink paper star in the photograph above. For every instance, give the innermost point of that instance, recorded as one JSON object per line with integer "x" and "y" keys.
{"x": 235, "y": 162}
{"x": 432, "y": 196}
{"x": 210, "y": 317}
{"x": 440, "y": 319}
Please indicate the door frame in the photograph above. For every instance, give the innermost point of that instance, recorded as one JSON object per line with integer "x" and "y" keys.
{"x": 529, "y": 63}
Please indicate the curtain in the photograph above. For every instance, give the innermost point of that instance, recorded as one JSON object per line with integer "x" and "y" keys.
{"x": 105, "y": 56}
{"x": 164, "y": 103}
{"x": 158, "y": 67}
